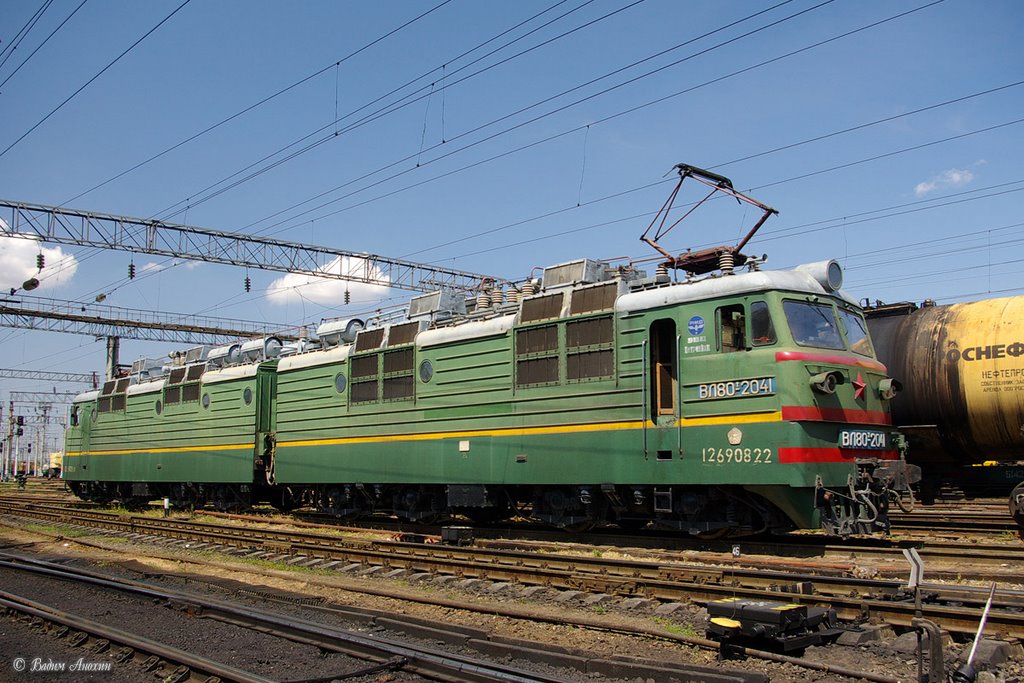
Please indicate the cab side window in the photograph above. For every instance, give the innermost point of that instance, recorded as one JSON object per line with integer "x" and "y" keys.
{"x": 731, "y": 328}
{"x": 762, "y": 330}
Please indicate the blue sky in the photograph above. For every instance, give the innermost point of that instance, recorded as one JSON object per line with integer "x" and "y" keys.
{"x": 923, "y": 205}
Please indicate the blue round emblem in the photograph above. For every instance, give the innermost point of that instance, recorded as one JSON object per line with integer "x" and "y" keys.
{"x": 696, "y": 325}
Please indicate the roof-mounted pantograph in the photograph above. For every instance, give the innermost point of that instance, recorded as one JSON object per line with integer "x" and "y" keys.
{"x": 722, "y": 258}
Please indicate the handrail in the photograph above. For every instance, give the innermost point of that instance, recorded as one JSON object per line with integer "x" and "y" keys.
{"x": 643, "y": 391}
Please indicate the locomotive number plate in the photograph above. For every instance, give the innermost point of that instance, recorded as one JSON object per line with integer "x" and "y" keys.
{"x": 863, "y": 438}
{"x": 736, "y": 388}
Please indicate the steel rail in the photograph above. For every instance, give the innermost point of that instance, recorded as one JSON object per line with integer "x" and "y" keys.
{"x": 852, "y": 598}
{"x": 797, "y": 547}
{"x": 700, "y": 672}
{"x": 421, "y": 660}
{"x": 195, "y": 663}
{"x": 970, "y": 523}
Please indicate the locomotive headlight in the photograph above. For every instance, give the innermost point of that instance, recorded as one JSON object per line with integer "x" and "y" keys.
{"x": 888, "y": 388}
{"x": 826, "y": 382}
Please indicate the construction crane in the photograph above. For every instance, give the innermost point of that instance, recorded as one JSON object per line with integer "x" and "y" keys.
{"x": 147, "y": 236}
{"x": 51, "y": 376}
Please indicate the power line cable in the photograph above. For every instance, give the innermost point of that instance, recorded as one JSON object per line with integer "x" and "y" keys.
{"x": 512, "y": 128}
{"x": 560, "y": 134}
{"x": 250, "y": 107}
{"x": 368, "y": 118}
{"x": 464, "y": 54}
{"x": 40, "y": 46}
{"x": 502, "y": 118}
{"x": 87, "y": 83}
{"x": 605, "y": 16}
{"x": 467, "y": 52}
{"x": 650, "y": 213}
{"x": 20, "y": 35}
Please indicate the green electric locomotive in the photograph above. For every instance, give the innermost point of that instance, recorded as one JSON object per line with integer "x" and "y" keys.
{"x": 727, "y": 404}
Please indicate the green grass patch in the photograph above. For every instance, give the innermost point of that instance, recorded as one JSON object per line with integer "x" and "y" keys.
{"x": 56, "y": 530}
{"x": 686, "y": 630}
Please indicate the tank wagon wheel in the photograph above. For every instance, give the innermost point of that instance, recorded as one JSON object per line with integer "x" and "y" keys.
{"x": 1017, "y": 507}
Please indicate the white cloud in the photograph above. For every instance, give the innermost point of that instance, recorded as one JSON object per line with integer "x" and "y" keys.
{"x": 295, "y": 287}
{"x": 155, "y": 267}
{"x": 954, "y": 177}
{"x": 187, "y": 264}
{"x": 18, "y": 263}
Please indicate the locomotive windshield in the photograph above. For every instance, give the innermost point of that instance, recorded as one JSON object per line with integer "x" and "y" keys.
{"x": 856, "y": 331}
{"x": 813, "y": 324}
{"x": 816, "y": 324}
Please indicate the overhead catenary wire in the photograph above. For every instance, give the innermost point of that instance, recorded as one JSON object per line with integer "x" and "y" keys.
{"x": 9, "y": 49}
{"x": 514, "y": 127}
{"x": 807, "y": 10}
{"x": 385, "y": 110}
{"x": 90, "y": 81}
{"x": 483, "y": 44}
{"x": 648, "y": 214}
{"x": 40, "y": 46}
{"x": 251, "y": 107}
{"x": 554, "y": 136}
{"x": 765, "y": 235}
{"x": 768, "y": 232}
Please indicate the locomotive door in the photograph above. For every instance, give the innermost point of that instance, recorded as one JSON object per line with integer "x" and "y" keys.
{"x": 81, "y": 417}
{"x": 266, "y": 422}
{"x": 662, "y": 437}
{"x": 664, "y": 365}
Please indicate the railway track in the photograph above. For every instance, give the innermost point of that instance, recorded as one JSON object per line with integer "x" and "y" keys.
{"x": 384, "y": 653}
{"x": 990, "y": 560}
{"x": 956, "y": 608}
{"x": 965, "y": 522}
